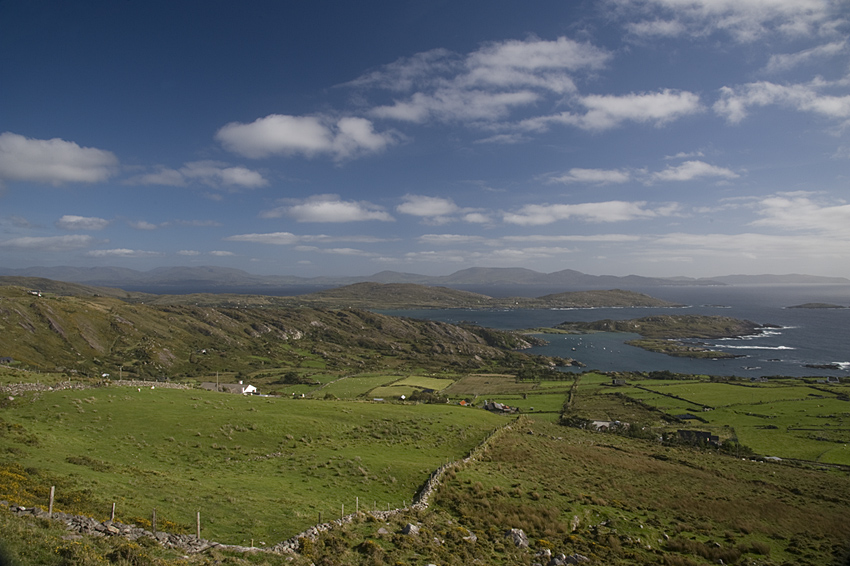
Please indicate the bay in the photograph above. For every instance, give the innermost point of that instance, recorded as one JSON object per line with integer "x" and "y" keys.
{"x": 805, "y": 337}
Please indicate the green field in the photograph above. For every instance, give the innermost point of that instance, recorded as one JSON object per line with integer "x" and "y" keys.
{"x": 257, "y": 468}
{"x": 260, "y": 469}
{"x": 786, "y": 418}
{"x": 356, "y": 386}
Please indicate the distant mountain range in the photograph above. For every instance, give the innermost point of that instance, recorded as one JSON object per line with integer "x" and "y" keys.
{"x": 213, "y": 279}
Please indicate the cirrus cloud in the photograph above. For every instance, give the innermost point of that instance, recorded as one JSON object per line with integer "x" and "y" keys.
{"x": 210, "y": 173}
{"x": 745, "y": 20}
{"x": 610, "y": 211}
{"x": 48, "y": 243}
{"x": 734, "y": 103}
{"x": 485, "y": 85}
{"x": 604, "y": 112}
{"x": 71, "y": 222}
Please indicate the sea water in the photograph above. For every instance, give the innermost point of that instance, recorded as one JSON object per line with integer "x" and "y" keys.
{"x": 805, "y": 337}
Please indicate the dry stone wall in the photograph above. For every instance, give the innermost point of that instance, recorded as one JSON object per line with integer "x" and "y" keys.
{"x": 81, "y": 525}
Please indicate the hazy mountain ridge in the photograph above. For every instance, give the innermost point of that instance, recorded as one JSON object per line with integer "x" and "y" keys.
{"x": 211, "y": 277}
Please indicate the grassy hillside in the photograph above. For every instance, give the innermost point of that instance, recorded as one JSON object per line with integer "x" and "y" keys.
{"x": 92, "y": 335}
{"x": 40, "y": 284}
{"x": 613, "y": 499}
{"x": 260, "y": 468}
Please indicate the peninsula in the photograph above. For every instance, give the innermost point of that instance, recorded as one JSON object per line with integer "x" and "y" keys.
{"x": 670, "y": 334}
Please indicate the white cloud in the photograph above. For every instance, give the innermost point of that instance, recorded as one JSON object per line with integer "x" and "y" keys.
{"x": 690, "y": 170}
{"x": 278, "y": 134}
{"x": 210, "y": 173}
{"x": 288, "y": 238}
{"x": 749, "y": 246}
{"x": 53, "y": 161}
{"x": 685, "y": 155}
{"x": 419, "y": 205}
{"x": 456, "y": 104}
{"x": 122, "y": 252}
{"x": 506, "y": 139}
{"x": 798, "y": 212}
{"x": 330, "y": 208}
{"x": 611, "y": 211}
{"x": 744, "y": 20}
{"x": 71, "y": 222}
{"x": 735, "y": 102}
{"x": 612, "y": 238}
{"x": 220, "y": 253}
{"x": 162, "y": 176}
{"x": 785, "y": 61}
{"x": 450, "y": 239}
{"x": 593, "y": 176}
{"x": 215, "y": 173}
{"x": 50, "y": 243}
{"x": 604, "y": 112}
{"x": 485, "y": 85}
{"x": 274, "y": 238}
{"x": 532, "y": 63}
{"x": 407, "y": 73}
{"x": 477, "y": 218}
{"x": 143, "y": 225}
{"x": 189, "y": 253}
{"x": 656, "y": 28}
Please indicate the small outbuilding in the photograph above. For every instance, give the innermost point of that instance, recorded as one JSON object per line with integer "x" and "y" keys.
{"x": 234, "y": 388}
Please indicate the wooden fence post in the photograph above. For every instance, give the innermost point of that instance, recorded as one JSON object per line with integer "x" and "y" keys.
{"x": 50, "y": 506}
{"x": 342, "y": 513}
{"x": 356, "y": 505}
{"x": 112, "y": 514}
{"x": 198, "y": 525}
{"x": 153, "y": 521}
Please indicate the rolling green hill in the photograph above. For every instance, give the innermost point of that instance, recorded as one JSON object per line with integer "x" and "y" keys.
{"x": 94, "y": 334}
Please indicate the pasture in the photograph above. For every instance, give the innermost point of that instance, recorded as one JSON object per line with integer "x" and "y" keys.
{"x": 786, "y": 418}
{"x": 257, "y": 468}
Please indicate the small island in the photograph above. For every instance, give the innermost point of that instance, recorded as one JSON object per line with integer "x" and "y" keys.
{"x": 667, "y": 334}
{"x": 817, "y": 306}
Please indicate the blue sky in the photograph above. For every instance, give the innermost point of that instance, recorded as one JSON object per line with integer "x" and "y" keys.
{"x": 649, "y": 137}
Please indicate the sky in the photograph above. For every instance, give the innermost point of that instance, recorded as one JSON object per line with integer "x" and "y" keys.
{"x": 651, "y": 137}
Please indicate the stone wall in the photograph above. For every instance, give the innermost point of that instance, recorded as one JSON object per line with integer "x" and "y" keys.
{"x": 192, "y": 544}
